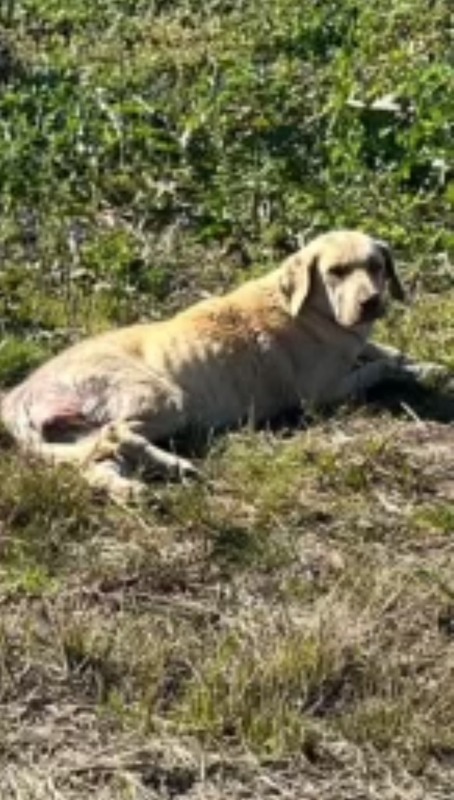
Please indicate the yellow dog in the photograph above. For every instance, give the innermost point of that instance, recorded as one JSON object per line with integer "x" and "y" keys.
{"x": 288, "y": 338}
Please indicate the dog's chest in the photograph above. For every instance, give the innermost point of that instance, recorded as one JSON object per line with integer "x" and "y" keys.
{"x": 319, "y": 363}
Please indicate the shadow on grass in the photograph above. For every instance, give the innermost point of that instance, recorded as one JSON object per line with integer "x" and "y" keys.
{"x": 428, "y": 403}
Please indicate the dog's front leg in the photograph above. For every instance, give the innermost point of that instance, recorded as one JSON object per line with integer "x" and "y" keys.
{"x": 378, "y": 364}
{"x": 360, "y": 380}
{"x": 399, "y": 367}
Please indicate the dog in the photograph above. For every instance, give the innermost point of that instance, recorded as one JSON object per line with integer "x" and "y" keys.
{"x": 294, "y": 337}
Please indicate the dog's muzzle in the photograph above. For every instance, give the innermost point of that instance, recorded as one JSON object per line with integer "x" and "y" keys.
{"x": 371, "y": 309}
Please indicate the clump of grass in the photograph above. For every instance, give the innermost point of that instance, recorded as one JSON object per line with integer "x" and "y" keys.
{"x": 262, "y": 690}
{"x": 434, "y": 518}
{"x": 17, "y": 358}
{"x": 45, "y": 512}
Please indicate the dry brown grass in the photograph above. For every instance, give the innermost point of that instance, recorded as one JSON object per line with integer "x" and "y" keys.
{"x": 284, "y": 630}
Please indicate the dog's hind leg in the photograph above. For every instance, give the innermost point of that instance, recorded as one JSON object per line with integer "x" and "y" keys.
{"x": 114, "y": 477}
{"x": 118, "y": 459}
{"x": 126, "y": 442}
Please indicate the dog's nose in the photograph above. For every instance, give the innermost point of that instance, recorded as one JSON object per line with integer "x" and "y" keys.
{"x": 371, "y": 307}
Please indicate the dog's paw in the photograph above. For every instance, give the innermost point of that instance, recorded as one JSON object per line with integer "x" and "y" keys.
{"x": 425, "y": 372}
{"x": 108, "y": 477}
{"x": 187, "y": 471}
{"x": 428, "y": 373}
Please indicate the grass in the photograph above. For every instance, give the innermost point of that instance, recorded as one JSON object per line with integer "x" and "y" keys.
{"x": 285, "y": 628}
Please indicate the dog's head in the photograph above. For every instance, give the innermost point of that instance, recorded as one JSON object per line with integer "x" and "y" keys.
{"x": 345, "y": 274}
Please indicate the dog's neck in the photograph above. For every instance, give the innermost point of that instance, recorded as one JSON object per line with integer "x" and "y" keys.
{"x": 321, "y": 326}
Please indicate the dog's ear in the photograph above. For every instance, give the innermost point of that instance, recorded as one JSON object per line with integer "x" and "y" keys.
{"x": 395, "y": 286}
{"x": 297, "y": 272}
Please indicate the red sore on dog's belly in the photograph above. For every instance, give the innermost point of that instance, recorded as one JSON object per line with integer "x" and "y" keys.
{"x": 61, "y": 415}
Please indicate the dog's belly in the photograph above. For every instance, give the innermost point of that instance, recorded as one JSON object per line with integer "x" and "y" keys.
{"x": 224, "y": 388}
{"x": 227, "y": 397}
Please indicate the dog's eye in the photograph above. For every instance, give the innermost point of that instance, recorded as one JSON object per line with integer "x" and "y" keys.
{"x": 375, "y": 267}
{"x": 339, "y": 271}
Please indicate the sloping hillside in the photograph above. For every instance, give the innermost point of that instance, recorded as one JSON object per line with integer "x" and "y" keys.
{"x": 284, "y": 629}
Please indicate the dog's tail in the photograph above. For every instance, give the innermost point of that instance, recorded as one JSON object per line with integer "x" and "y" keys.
{"x": 6, "y": 437}
{"x": 14, "y": 417}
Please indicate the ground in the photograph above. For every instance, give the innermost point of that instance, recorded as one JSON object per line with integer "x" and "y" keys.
{"x": 283, "y": 628}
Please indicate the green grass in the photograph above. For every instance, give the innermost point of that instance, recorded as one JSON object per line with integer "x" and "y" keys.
{"x": 285, "y": 626}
